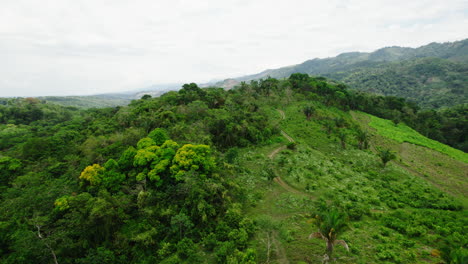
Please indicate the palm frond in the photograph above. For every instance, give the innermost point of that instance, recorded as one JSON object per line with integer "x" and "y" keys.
{"x": 317, "y": 235}
{"x": 343, "y": 243}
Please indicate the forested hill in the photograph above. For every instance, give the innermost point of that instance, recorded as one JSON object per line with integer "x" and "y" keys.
{"x": 262, "y": 173}
{"x": 434, "y": 75}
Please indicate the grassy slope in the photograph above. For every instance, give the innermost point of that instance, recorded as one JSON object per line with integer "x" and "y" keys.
{"x": 402, "y": 133}
{"x": 419, "y": 155}
{"x": 355, "y": 178}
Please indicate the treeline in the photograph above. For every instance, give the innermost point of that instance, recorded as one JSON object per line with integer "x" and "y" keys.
{"x": 449, "y": 126}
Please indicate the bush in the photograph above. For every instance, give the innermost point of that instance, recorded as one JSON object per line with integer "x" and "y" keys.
{"x": 291, "y": 145}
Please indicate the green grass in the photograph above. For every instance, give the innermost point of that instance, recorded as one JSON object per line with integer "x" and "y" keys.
{"x": 402, "y": 133}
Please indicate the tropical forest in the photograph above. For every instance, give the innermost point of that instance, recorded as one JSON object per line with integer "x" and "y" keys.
{"x": 301, "y": 169}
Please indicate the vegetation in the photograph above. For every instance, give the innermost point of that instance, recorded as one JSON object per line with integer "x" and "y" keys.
{"x": 431, "y": 82}
{"x": 434, "y": 75}
{"x": 403, "y": 133}
{"x": 215, "y": 176}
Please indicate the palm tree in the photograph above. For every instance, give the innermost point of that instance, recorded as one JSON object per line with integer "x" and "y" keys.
{"x": 386, "y": 155}
{"x": 308, "y": 111}
{"x": 363, "y": 139}
{"x": 330, "y": 224}
{"x": 342, "y": 136}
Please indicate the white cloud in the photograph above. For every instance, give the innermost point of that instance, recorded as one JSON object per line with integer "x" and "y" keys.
{"x": 96, "y": 46}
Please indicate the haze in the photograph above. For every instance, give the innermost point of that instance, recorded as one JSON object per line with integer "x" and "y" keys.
{"x": 87, "y": 47}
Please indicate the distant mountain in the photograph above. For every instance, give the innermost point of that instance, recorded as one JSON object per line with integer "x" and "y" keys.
{"x": 110, "y": 99}
{"x": 434, "y": 75}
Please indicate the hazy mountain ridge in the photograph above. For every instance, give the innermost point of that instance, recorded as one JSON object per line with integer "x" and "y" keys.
{"x": 455, "y": 51}
{"x": 448, "y": 63}
{"x": 111, "y": 99}
{"x": 391, "y": 70}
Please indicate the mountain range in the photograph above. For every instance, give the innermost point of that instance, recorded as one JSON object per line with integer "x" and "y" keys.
{"x": 434, "y": 75}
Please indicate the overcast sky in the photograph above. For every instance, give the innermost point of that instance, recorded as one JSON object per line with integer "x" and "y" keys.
{"x": 72, "y": 47}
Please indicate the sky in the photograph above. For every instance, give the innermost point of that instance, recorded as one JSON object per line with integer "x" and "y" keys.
{"x": 79, "y": 47}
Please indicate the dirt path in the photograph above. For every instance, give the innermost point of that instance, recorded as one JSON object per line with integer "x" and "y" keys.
{"x": 276, "y": 151}
{"x": 279, "y": 250}
{"x": 286, "y": 186}
{"x": 290, "y": 139}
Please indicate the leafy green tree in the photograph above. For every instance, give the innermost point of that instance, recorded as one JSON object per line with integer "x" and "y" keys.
{"x": 181, "y": 224}
{"x": 386, "y": 155}
{"x": 93, "y": 174}
{"x": 145, "y": 142}
{"x": 126, "y": 159}
{"x": 192, "y": 158}
{"x": 159, "y": 136}
{"x": 330, "y": 223}
{"x": 112, "y": 178}
{"x": 9, "y": 168}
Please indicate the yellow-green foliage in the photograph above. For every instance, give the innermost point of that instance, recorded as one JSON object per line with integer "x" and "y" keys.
{"x": 156, "y": 159}
{"x": 192, "y": 157}
{"x": 145, "y": 156}
{"x": 145, "y": 142}
{"x": 62, "y": 203}
{"x": 403, "y": 133}
{"x": 93, "y": 174}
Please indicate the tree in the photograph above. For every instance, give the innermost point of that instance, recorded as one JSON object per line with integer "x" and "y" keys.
{"x": 342, "y": 136}
{"x": 363, "y": 139}
{"x": 93, "y": 174}
{"x": 308, "y": 111}
{"x": 330, "y": 223}
{"x": 181, "y": 224}
{"x": 146, "y": 97}
{"x": 192, "y": 157}
{"x": 386, "y": 155}
{"x": 159, "y": 136}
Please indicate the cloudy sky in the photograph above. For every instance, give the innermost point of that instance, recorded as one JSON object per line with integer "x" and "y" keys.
{"x": 70, "y": 47}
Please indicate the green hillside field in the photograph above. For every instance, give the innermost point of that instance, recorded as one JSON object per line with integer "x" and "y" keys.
{"x": 402, "y": 133}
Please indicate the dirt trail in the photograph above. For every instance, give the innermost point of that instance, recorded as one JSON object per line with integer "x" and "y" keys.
{"x": 276, "y": 151}
{"x": 290, "y": 139}
{"x": 286, "y": 186}
{"x": 279, "y": 250}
